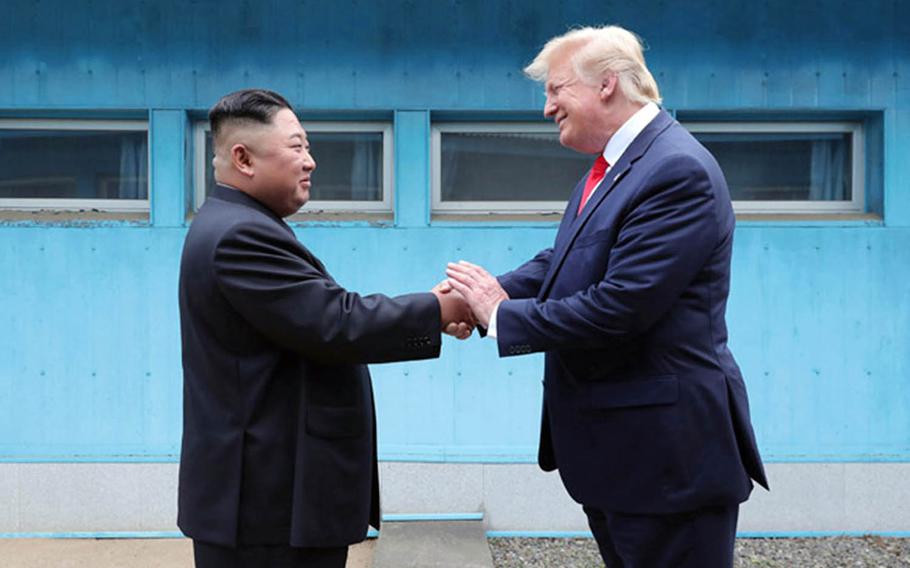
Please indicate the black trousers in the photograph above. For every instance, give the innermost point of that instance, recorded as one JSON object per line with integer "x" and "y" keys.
{"x": 694, "y": 539}
{"x": 215, "y": 556}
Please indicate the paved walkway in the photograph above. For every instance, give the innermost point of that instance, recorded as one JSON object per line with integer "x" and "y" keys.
{"x": 433, "y": 544}
{"x": 122, "y": 553}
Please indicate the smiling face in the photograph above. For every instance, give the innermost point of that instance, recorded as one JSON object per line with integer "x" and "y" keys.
{"x": 577, "y": 106}
{"x": 281, "y": 164}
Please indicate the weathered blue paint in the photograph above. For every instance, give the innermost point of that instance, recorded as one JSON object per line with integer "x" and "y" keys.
{"x": 167, "y": 145}
{"x": 412, "y": 172}
{"x": 92, "y": 365}
{"x": 89, "y": 336}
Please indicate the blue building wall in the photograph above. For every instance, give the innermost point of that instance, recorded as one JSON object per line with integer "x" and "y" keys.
{"x": 89, "y": 339}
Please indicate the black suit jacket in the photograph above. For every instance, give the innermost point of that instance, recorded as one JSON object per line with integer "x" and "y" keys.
{"x": 279, "y": 442}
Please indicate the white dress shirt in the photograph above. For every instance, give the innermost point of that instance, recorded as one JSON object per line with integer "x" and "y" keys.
{"x": 614, "y": 150}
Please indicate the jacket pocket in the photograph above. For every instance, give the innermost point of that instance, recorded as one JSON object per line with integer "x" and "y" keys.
{"x": 650, "y": 391}
{"x": 335, "y": 421}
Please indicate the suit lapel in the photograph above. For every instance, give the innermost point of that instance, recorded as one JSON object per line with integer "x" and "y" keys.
{"x": 568, "y": 216}
{"x": 617, "y": 173}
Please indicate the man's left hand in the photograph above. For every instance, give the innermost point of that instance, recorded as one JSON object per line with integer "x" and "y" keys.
{"x": 480, "y": 289}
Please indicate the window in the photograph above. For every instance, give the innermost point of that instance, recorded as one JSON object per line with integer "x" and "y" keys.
{"x": 502, "y": 168}
{"x": 74, "y": 165}
{"x": 788, "y": 167}
{"x": 353, "y": 166}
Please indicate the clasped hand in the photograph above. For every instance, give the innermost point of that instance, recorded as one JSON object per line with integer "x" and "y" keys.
{"x": 468, "y": 297}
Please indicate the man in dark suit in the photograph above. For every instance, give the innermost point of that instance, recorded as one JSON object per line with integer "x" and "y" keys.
{"x": 645, "y": 411}
{"x": 278, "y": 463}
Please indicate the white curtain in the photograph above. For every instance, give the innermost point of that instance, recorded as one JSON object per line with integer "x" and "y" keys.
{"x": 366, "y": 171}
{"x": 133, "y": 182}
{"x": 827, "y": 178}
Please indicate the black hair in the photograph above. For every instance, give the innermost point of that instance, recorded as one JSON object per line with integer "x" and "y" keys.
{"x": 257, "y": 105}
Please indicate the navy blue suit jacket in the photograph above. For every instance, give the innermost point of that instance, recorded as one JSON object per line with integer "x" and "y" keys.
{"x": 645, "y": 409}
{"x": 279, "y": 441}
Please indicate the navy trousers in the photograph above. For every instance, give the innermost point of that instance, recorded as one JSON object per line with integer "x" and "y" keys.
{"x": 215, "y": 556}
{"x": 694, "y": 539}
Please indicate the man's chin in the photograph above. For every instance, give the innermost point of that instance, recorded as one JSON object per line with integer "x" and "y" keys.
{"x": 566, "y": 140}
{"x": 580, "y": 146}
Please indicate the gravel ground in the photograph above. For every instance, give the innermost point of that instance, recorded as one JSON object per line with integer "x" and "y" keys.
{"x": 836, "y": 552}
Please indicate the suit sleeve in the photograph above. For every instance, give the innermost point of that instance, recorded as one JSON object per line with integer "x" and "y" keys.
{"x": 526, "y": 280}
{"x": 662, "y": 244}
{"x": 264, "y": 277}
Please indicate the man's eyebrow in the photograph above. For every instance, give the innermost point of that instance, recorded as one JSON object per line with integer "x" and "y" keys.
{"x": 296, "y": 135}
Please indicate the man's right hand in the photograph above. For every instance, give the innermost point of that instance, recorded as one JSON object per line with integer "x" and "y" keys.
{"x": 456, "y": 316}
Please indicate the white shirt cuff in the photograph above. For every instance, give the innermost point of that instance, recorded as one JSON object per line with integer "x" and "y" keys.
{"x": 491, "y": 329}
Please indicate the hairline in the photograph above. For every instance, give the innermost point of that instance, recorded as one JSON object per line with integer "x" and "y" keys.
{"x": 231, "y": 124}
{"x": 576, "y": 41}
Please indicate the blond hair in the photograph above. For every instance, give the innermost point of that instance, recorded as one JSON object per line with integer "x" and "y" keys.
{"x": 600, "y": 52}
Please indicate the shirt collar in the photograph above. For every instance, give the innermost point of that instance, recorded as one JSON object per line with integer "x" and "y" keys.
{"x": 623, "y": 137}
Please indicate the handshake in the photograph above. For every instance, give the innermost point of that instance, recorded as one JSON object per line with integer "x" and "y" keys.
{"x": 467, "y": 298}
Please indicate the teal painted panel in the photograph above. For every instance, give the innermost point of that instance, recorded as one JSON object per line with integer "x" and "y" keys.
{"x": 90, "y": 366}
{"x": 412, "y": 167}
{"x": 447, "y": 54}
{"x": 897, "y": 169}
{"x": 168, "y": 154}
{"x": 815, "y": 320}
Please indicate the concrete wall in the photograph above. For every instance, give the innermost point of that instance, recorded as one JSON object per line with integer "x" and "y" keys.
{"x": 140, "y": 499}
{"x": 89, "y": 346}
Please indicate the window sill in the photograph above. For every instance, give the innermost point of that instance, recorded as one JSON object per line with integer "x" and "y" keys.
{"x": 71, "y": 218}
{"x": 809, "y": 220}
{"x": 496, "y": 219}
{"x": 330, "y": 218}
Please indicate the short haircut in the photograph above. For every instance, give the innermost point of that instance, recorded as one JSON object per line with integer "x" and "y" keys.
{"x": 599, "y": 52}
{"x": 254, "y": 105}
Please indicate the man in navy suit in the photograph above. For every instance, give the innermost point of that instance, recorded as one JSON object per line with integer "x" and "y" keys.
{"x": 645, "y": 411}
{"x": 278, "y": 463}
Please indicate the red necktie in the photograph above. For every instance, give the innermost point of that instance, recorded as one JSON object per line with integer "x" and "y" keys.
{"x": 597, "y": 173}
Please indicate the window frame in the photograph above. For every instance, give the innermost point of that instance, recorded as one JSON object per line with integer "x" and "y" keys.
{"x": 484, "y": 207}
{"x": 202, "y": 127}
{"x": 81, "y": 204}
{"x": 857, "y": 203}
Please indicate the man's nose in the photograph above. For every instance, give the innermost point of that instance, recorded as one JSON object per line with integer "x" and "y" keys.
{"x": 309, "y": 164}
{"x": 549, "y": 107}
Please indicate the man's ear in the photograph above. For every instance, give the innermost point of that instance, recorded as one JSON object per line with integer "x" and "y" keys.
{"x": 242, "y": 160}
{"x": 608, "y": 86}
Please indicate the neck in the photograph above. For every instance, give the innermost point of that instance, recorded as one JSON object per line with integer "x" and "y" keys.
{"x": 232, "y": 181}
{"x": 624, "y": 111}
{"x": 618, "y": 115}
